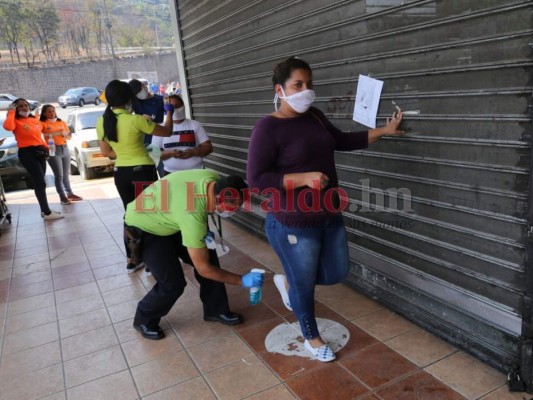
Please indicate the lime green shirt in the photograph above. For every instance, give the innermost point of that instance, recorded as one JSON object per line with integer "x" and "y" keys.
{"x": 175, "y": 203}
{"x": 131, "y": 129}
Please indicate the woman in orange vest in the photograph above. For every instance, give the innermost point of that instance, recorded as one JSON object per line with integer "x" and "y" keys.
{"x": 57, "y": 129}
{"x": 32, "y": 150}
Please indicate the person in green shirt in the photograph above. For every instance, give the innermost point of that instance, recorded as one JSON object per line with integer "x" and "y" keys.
{"x": 121, "y": 137}
{"x": 174, "y": 210}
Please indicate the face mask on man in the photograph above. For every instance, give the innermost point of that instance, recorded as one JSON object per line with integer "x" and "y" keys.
{"x": 143, "y": 94}
{"x": 299, "y": 102}
{"x": 129, "y": 107}
{"x": 179, "y": 114}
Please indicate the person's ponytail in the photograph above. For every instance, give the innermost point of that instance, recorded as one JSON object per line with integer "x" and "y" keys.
{"x": 110, "y": 125}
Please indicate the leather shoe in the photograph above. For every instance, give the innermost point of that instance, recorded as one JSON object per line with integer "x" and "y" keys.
{"x": 228, "y": 318}
{"x": 149, "y": 332}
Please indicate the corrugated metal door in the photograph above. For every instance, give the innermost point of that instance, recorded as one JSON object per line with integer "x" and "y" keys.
{"x": 444, "y": 240}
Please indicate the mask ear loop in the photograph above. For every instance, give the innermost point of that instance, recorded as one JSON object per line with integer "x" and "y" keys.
{"x": 276, "y": 98}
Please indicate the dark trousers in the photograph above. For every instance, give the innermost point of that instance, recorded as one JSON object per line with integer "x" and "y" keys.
{"x": 130, "y": 182}
{"x": 162, "y": 254}
{"x": 36, "y": 167}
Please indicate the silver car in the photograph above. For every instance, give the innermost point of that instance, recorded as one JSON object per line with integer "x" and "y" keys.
{"x": 79, "y": 97}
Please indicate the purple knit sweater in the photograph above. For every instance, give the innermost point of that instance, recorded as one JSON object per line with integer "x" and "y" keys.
{"x": 306, "y": 143}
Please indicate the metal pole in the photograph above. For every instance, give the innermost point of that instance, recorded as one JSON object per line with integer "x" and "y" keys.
{"x": 108, "y": 26}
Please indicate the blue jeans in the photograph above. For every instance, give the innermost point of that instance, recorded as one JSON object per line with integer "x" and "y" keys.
{"x": 316, "y": 255}
{"x": 60, "y": 164}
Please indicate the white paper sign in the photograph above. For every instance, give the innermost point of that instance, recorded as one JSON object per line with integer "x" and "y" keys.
{"x": 367, "y": 100}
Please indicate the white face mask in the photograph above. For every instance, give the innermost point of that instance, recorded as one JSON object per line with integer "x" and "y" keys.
{"x": 299, "y": 102}
{"x": 143, "y": 94}
{"x": 129, "y": 107}
{"x": 179, "y": 114}
{"x": 225, "y": 214}
{"x": 52, "y": 119}
{"x": 24, "y": 113}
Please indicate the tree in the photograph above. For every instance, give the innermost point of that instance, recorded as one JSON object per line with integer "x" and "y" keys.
{"x": 11, "y": 22}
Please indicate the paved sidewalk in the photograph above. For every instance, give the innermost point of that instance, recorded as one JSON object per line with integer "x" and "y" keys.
{"x": 67, "y": 303}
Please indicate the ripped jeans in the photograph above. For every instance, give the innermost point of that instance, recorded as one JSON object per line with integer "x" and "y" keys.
{"x": 310, "y": 256}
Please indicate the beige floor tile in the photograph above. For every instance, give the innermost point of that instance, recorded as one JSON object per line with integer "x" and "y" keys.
{"x": 6, "y": 273}
{"x": 33, "y": 289}
{"x": 28, "y": 260}
{"x": 125, "y": 331}
{"x": 30, "y": 269}
{"x": 23, "y": 362}
{"x": 346, "y": 301}
{"x": 279, "y": 392}
{"x": 76, "y": 292}
{"x": 384, "y": 324}
{"x": 186, "y": 313}
{"x": 83, "y": 323}
{"x": 140, "y": 350}
{"x": 164, "y": 372}
{"x": 30, "y": 303}
{"x": 30, "y": 251}
{"x": 88, "y": 342}
{"x": 421, "y": 347}
{"x": 118, "y": 386}
{"x": 110, "y": 250}
{"x": 44, "y": 382}
{"x": 57, "y": 396}
{"x": 133, "y": 292}
{"x": 244, "y": 378}
{"x": 123, "y": 311}
{"x": 200, "y": 332}
{"x": 219, "y": 352}
{"x": 22, "y": 277}
{"x": 83, "y": 305}
{"x": 110, "y": 271}
{"x": 466, "y": 375}
{"x": 28, "y": 338}
{"x": 30, "y": 319}
{"x": 94, "y": 366}
{"x": 194, "y": 389}
{"x": 73, "y": 280}
{"x": 116, "y": 282}
{"x": 503, "y": 393}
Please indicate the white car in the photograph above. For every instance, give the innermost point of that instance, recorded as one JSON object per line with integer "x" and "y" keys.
{"x": 85, "y": 155}
{"x": 6, "y": 99}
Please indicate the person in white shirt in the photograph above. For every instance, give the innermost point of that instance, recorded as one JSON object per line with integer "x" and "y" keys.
{"x": 188, "y": 144}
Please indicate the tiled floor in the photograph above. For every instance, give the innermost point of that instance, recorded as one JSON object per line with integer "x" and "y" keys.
{"x": 66, "y": 308}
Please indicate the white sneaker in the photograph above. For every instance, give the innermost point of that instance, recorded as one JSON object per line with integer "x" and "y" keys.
{"x": 322, "y": 353}
{"x": 52, "y": 215}
{"x": 281, "y": 284}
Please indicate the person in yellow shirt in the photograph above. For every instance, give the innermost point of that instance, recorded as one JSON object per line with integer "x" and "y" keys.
{"x": 57, "y": 129}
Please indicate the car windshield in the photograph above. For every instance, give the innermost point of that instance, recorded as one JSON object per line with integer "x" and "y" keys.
{"x": 88, "y": 120}
{"x": 3, "y": 132}
{"x": 73, "y": 91}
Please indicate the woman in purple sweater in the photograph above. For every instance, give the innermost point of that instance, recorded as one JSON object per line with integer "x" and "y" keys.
{"x": 291, "y": 159}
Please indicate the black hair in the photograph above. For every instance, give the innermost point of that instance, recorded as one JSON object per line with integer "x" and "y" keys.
{"x": 26, "y": 101}
{"x": 117, "y": 94}
{"x": 135, "y": 85}
{"x": 231, "y": 182}
{"x": 283, "y": 70}
{"x": 176, "y": 96}
{"x": 42, "y": 117}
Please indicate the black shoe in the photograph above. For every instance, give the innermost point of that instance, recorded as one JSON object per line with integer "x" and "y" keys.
{"x": 131, "y": 267}
{"x": 228, "y": 318}
{"x": 149, "y": 333}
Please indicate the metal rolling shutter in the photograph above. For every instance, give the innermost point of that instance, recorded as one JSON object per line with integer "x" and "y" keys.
{"x": 453, "y": 257}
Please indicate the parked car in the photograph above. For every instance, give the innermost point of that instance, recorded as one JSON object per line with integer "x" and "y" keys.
{"x": 6, "y": 99}
{"x": 85, "y": 155}
{"x": 79, "y": 97}
{"x": 11, "y": 168}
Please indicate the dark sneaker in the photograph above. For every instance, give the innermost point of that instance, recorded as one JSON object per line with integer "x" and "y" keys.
{"x": 73, "y": 197}
{"x": 64, "y": 201}
{"x": 131, "y": 267}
